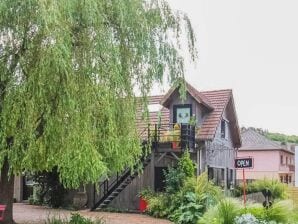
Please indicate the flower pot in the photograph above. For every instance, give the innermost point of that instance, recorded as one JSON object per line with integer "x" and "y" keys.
{"x": 143, "y": 204}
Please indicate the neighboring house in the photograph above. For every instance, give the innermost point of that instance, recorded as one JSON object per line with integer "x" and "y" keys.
{"x": 205, "y": 123}
{"x": 273, "y": 160}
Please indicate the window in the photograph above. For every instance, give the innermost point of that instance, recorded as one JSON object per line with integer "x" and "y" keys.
{"x": 290, "y": 179}
{"x": 287, "y": 179}
{"x": 281, "y": 179}
{"x": 154, "y": 107}
{"x": 281, "y": 160}
{"x": 224, "y": 129}
{"x": 182, "y": 113}
{"x": 286, "y": 160}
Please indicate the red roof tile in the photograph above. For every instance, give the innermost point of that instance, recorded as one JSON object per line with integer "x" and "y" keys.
{"x": 219, "y": 100}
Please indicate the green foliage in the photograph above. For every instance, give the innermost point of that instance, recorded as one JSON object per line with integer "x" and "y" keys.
{"x": 50, "y": 190}
{"x": 246, "y": 219}
{"x": 223, "y": 213}
{"x": 158, "y": 205}
{"x": 228, "y": 209}
{"x": 189, "y": 211}
{"x": 281, "y": 212}
{"x": 278, "y": 189}
{"x": 257, "y": 210}
{"x": 68, "y": 71}
{"x": 186, "y": 165}
{"x": 188, "y": 203}
{"x": 203, "y": 188}
{"x": 146, "y": 193}
{"x": 75, "y": 219}
{"x": 175, "y": 177}
{"x": 282, "y": 137}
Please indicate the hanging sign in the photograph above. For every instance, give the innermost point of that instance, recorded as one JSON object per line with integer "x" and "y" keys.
{"x": 244, "y": 163}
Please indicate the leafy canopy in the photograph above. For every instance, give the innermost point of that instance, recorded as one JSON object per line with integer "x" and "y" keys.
{"x": 68, "y": 74}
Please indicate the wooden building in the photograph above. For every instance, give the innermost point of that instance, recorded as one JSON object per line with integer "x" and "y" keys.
{"x": 205, "y": 123}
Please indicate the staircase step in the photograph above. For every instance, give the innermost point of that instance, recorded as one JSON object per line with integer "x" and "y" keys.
{"x": 106, "y": 199}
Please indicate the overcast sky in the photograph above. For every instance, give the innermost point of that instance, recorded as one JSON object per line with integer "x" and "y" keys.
{"x": 251, "y": 47}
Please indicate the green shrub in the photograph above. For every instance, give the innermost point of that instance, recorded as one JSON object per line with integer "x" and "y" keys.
{"x": 190, "y": 210}
{"x": 281, "y": 212}
{"x": 186, "y": 165}
{"x": 203, "y": 189}
{"x": 228, "y": 210}
{"x": 223, "y": 213}
{"x": 175, "y": 177}
{"x": 187, "y": 197}
{"x": 158, "y": 205}
{"x": 257, "y": 210}
{"x": 75, "y": 219}
{"x": 278, "y": 189}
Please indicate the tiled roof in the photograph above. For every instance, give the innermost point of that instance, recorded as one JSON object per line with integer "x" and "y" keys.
{"x": 252, "y": 140}
{"x": 218, "y": 100}
{"x": 142, "y": 124}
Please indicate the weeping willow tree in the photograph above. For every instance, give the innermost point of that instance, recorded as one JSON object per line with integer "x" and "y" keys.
{"x": 69, "y": 71}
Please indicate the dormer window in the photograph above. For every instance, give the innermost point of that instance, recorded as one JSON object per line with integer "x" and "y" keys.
{"x": 224, "y": 129}
{"x": 182, "y": 113}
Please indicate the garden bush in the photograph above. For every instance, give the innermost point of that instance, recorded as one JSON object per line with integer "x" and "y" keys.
{"x": 75, "y": 219}
{"x": 281, "y": 212}
{"x": 175, "y": 177}
{"x": 278, "y": 189}
{"x": 223, "y": 213}
{"x": 186, "y": 197}
{"x": 190, "y": 210}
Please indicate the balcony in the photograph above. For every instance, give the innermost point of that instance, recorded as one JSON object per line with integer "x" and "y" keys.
{"x": 172, "y": 137}
{"x": 291, "y": 168}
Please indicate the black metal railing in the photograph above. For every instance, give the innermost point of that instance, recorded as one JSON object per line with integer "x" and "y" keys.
{"x": 108, "y": 186}
{"x": 175, "y": 136}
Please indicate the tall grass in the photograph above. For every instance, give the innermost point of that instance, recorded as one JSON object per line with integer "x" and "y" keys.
{"x": 281, "y": 212}
{"x": 224, "y": 213}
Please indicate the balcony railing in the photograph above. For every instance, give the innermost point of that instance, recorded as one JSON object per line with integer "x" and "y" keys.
{"x": 172, "y": 137}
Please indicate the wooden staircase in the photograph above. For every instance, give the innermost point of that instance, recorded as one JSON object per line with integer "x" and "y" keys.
{"x": 293, "y": 195}
{"x": 111, "y": 189}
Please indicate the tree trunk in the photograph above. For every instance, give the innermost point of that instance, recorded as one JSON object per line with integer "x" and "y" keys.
{"x": 6, "y": 192}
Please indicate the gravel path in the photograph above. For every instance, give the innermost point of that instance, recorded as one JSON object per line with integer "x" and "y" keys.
{"x": 25, "y": 214}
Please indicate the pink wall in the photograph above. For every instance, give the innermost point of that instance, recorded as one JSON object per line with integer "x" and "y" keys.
{"x": 266, "y": 164}
{"x": 263, "y": 160}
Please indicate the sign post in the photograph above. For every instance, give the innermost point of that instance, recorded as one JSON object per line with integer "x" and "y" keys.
{"x": 244, "y": 163}
{"x": 244, "y": 188}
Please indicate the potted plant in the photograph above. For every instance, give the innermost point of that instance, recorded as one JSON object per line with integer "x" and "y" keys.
{"x": 144, "y": 196}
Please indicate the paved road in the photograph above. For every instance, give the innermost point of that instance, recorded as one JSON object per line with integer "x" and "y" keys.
{"x": 25, "y": 214}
